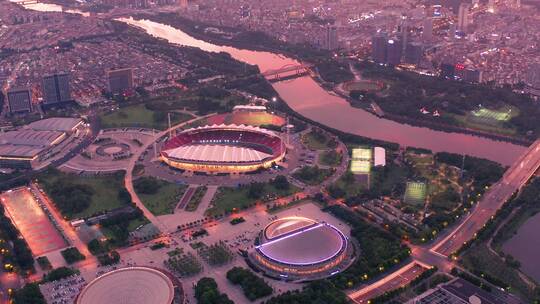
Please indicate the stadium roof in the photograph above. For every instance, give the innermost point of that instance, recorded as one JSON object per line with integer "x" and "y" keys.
{"x": 216, "y": 153}
{"x": 233, "y": 127}
{"x": 30, "y": 138}
{"x": 134, "y": 285}
{"x": 305, "y": 245}
{"x": 63, "y": 124}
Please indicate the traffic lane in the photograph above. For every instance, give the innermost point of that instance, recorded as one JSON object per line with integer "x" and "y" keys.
{"x": 398, "y": 281}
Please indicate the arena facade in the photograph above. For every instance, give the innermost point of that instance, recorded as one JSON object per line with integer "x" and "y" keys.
{"x": 301, "y": 249}
{"x": 134, "y": 285}
{"x": 223, "y": 149}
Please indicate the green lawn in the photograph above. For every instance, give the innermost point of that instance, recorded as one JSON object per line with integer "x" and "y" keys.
{"x": 312, "y": 175}
{"x": 228, "y": 199}
{"x": 364, "y": 85}
{"x": 139, "y": 116}
{"x": 330, "y": 158}
{"x": 105, "y": 196}
{"x": 196, "y": 198}
{"x": 479, "y": 258}
{"x": 488, "y": 120}
{"x": 166, "y": 198}
{"x": 316, "y": 140}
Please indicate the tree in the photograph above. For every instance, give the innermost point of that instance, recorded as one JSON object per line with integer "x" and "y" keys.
{"x": 29, "y": 294}
{"x": 281, "y": 182}
{"x": 206, "y": 292}
{"x": 146, "y": 185}
{"x": 255, "y": 190}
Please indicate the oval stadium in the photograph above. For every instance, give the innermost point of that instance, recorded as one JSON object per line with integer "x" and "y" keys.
{"x": 301, "y": 249}
{"x": 223, "y": 149}
{"x": 134, "y": 285}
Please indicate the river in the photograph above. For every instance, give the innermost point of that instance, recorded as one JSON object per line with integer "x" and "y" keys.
{"x": 525, "y": 247}
{"x": 305, "y": 96}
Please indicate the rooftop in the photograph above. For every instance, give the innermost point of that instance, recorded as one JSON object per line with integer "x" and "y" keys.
{"x": 134, "y": 285}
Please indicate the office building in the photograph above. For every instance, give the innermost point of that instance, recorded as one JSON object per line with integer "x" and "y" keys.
{"x": 394, "y": 51}
{"x": 120, "y": 80}
{"x": 413, "y": 53}
{"x": 330, "y": 41}
{"x": 378, "y": 47}
{"x": 19, "y": 100}
{"x": 56, "y": 89}
{"x": 427, "y": 32}
{"x": 463, "y": 17}
{"x": 491, "y": 6}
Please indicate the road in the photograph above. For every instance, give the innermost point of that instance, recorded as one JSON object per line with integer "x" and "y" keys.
{"x": 439, "y": 254}
{"x": 128, "y": 180}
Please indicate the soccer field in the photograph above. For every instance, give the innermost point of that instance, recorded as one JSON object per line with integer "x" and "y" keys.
{"x": 32, "y": 222}
{"x": 491, "y": 117}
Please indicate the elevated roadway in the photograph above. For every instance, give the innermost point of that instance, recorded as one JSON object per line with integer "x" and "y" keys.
{"x": 439, "y": 254}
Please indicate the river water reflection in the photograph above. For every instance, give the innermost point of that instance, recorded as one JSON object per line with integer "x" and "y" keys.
{"x": 525, "y": 247}
{"x": 306, "y": 97}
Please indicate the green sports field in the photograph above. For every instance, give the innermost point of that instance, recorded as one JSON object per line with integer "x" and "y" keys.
{"x": 415, "y": 193}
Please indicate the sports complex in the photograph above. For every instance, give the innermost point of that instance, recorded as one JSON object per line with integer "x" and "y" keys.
{"x": 301, "y": 249}
{"x": 134, "y": 285}
{"x": 223, "y": 149}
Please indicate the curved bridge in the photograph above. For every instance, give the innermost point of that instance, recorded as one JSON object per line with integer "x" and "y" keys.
{"x": 287, "y": 71}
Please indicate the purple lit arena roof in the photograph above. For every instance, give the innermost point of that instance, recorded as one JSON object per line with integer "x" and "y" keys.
{"x": 307, "y": 243}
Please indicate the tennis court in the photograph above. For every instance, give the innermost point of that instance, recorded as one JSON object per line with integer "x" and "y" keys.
{"x": 415, "y": 193}
{"x": 31, "y": 221}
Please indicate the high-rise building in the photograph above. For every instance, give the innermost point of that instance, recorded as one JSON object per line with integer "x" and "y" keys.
{"x": 120, "y": 80}
{"x": 491, "y": 6}
{"x": 330, "y": 41}
{"x": 56, "y": 89}
{"x": 427, "y": 32}
{"x": 19, "y": 100}
{"x": 533, "y": 76}
{"x": 452, "y": 31}
{"x": 394, "y": 51}
{"x": 463, "y": 17}
{"x": 378, "y": 47}
{"x": 413, "y": 53}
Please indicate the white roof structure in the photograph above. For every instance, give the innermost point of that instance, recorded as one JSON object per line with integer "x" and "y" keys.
{"x": 29, "y": 138}
{"x": 216, "y": 153}
{"x": 134, "y": 285}
{"x": 36, "y": 137}
{"x": 380, "y": 157}
{"x": 62, "y": 124}
{"x": 233, "y": 127}
{"x": 302, "y": 242}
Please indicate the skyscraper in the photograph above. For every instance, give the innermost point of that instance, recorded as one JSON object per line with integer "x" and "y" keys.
{"x": 120, "y": 80}
{"x": 413, "y": 53}
{"x": 427, "y": 32}
{"x": 491, "y": 6}
{"x": 331, "y": 38}
{"x": 394, "y": 51}
{"x": 56, "y": 89}
{"x": 378, "y": 47}
{"x": 463, "y": 17}
{"x": 19, "y": 100}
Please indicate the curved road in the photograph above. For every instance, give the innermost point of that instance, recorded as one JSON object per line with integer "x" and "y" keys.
{"x": 128, "y": 179}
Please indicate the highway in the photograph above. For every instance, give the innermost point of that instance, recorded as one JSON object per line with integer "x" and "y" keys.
{"x": 439, "y": 254}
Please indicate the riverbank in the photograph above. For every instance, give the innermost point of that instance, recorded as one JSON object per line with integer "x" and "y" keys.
{"x": 196, "y": 30}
